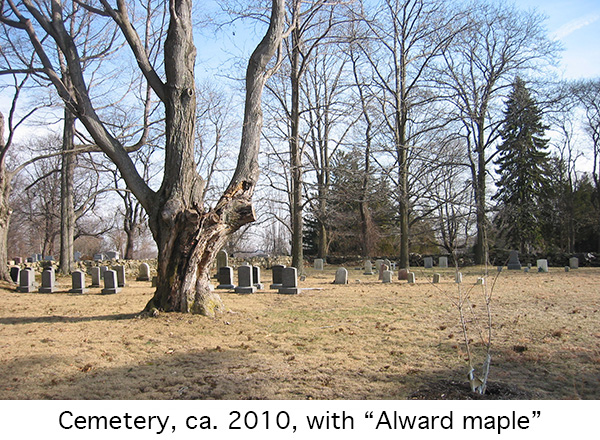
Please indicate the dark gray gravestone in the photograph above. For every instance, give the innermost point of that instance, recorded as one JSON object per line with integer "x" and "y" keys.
{"x": 110, "y": 283}
{"x": 428, "y": 262}
{"x": 78, "y": 282}
{"x": 225, "y": 278}
{"x": 14, "y": 273}
{"x": 277, "y": 276}
{"x": 48, "y": 281}
{"x": 289, "y": 281}
{"x": 95, "y": 272}
{"x": 256, "y": 278}
{"x": 513, "y": 261}
{"x": 245, "y": 282}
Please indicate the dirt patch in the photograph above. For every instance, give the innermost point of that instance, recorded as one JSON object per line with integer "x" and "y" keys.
{"x": 364, "y": 340}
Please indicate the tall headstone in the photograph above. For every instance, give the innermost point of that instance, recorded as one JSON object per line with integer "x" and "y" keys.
{"x": 574, "y": 263}
{"x": 256, "y": 278}
{"x": 341, "y": 276}
{"x": 78, "y": 282}
{"x": 222, "y": 259}
{"x": 245, "y": 281}
{"x": 368, "y": 268}
{"x": 225, "y": 278}
{"x": 95, "y": 272}
{"x": 443, "y": 263}
{"x": 48, "y": 280}
{"x": 428, "y": 262}
{"x": 143, "y": 272}
{"x": 382, "y": 268}
{"x": 277, "y": 276}
{"x": 27, "y": 280}
{"x": 289, "y": 279}
{"x": 387, "y": 276}
{"x": 436, "y": 278}
{"x": 513, "y": 261}
{"x": 14, "y": 273}
{"x": 110, "y": 283}
{"x": 542, "y": 265}
{"x": 120, "y": 275}
{"x": 319, "y": 264}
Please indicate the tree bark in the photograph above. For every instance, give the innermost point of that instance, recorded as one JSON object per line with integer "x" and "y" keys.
{"x": 5, "y": 211}
{"x": 67, "y": 209}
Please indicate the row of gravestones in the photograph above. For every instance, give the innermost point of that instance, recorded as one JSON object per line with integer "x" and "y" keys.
{"x": 385, "y": 276}
{"x": 285, "y": 279}
{"x": 542, "y": 264}
{"x": 113, "y": 279}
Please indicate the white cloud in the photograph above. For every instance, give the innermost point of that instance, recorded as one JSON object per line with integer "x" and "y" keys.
{"x": 575, "y": 25}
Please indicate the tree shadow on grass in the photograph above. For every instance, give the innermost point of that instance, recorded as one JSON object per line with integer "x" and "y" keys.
{"x": 60, "y": 318}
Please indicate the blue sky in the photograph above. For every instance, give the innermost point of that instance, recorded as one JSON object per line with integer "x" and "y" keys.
{"x": 576, "y": 24}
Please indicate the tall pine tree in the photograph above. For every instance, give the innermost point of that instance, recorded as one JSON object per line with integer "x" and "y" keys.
{"x": 522, "y": 166}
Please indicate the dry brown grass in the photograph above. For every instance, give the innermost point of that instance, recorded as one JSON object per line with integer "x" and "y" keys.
{"x": 359, "y": 341}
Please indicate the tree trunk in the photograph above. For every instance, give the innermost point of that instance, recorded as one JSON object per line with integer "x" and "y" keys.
{"x": 5, "y": 211}
{"x": 188, "y": 238}
{"x": 67, "y": 213}
{"x": 481, "y": 243}
{"x": 296, "y": 157}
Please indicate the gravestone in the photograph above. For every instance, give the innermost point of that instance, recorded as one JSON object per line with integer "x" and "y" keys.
{"x": 245, "y": 281}
{"x": 341, "y": 276}
{"x": 481, "y": 281}
{"x": 143, "y": 272}
{"x": 567, "y": 268}
{"x": 443, "y": 262}
{"x": 428, "y": 262}
{"x": 542, "y": 265}
{"x": 458, "y": 278}
{"x": 368, "y": 268}
{"x": 14, "y": 273}
{"x": 574, "y": 263}
{"x": 78, "y": 282}
{"x": 95, "y": 272}
{"x": 387, "y": 276}
{"x": 27, "y": 280}
{"x": 102, "y": 270}
{"x": 411, "y": 278}
{"x": 222, "y": 259}
{"x": 526, "y": 270}
{"x": 225, "y": 278}
{"x": 120, "y": 275}
{"x": 378, "y": 264}
{"x": 48, "y": 258}
{"x": 289, "y": 280}
{"x": 98, "y": 257}
{"x": 77, "y": 256}
{"x": 112, "y": 255}
{"x": 436, "y": 278}
{"x": 382, "y": 268}
{"x": 403, "y": 274}
{"x": 277, "y": 276}
{"x": 48, "y": 281}
{"x": 111, "y": 285}
{"x": 513, "y": 261}
{"x": 18, "y": 260}
{"x": 256, "y": 278}
{"x": 319, "y": 264}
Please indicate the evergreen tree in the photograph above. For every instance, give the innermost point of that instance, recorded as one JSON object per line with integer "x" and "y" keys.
{"x": 522, "y": 167}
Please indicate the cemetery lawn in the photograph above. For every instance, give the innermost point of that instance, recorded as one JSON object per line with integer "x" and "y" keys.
{"x": 363, "y": 340}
